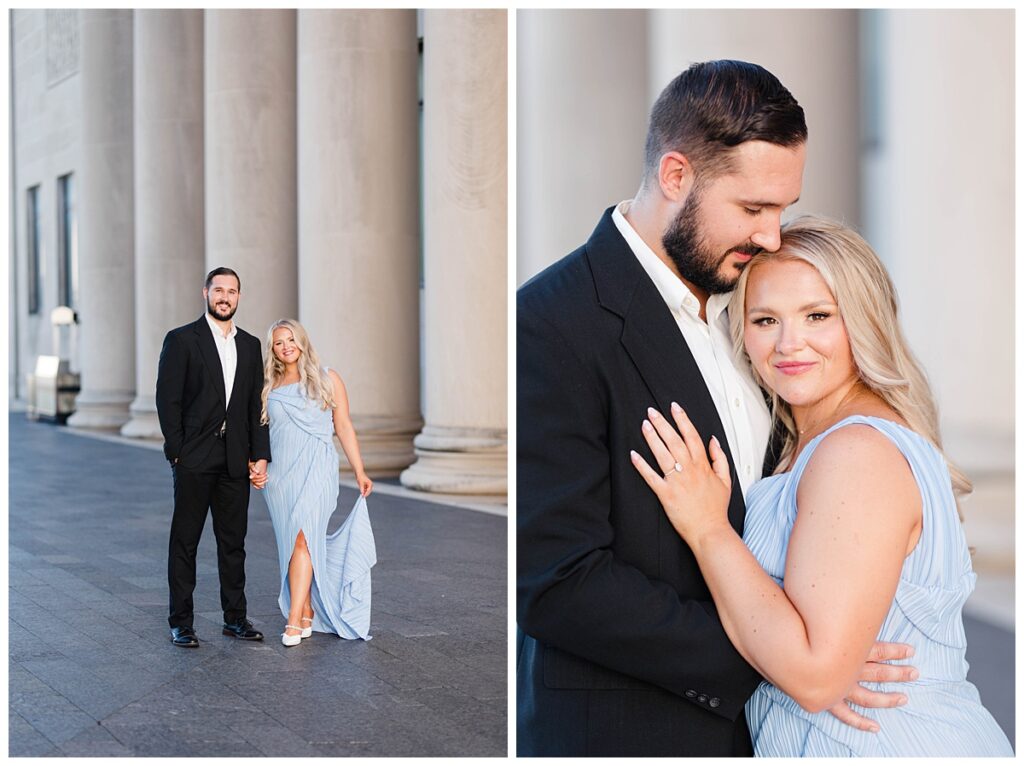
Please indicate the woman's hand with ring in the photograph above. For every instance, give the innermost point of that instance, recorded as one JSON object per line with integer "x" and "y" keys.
{"x": 693, "y": 491}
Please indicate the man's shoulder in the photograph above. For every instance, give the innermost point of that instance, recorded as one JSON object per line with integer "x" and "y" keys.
{"x": 583, "y": 280}
{"x": 246, "y": 337}
{"x": 183, "y": 331}
{"x": 566, "y": 280}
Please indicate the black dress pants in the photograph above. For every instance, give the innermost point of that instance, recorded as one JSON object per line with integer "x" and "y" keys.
{"x": 195, "y": 492}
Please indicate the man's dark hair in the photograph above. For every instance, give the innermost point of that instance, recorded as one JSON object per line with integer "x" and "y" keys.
{"x": 222, "y": 271}
{"x": 714, "y": 106}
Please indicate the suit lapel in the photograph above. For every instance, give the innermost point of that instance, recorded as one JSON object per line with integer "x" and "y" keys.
{"x": 652, "y": 339}
{"x": 208, "y": 350}
{"x": 653, "y": 342}
{"x": 241, "y": 360}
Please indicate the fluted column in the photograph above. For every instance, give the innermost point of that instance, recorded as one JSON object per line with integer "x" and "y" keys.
{"x": 968, "y": 354}
{"x": 105, "y": 233}
{"x": 359, "y": 218}
{"x": 463, "y": 447}
{"x": 946, "y": 231}
{"x": 250, "y": 159}
{"x": 169, "y": 236}
{"x": 581, "y": 95}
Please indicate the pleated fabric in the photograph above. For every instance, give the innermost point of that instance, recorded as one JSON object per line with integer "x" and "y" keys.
{"x": 944, "y": 715}
{"x": 301, "y": 493}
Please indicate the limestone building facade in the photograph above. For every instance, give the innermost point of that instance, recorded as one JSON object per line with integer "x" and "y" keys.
{"x": 350, "y": 165}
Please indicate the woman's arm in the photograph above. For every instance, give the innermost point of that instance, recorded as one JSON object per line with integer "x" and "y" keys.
{"x": 347, "y": 434}
{"x": 859, "y": 507}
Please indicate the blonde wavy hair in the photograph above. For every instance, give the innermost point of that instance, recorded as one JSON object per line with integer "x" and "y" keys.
{"x": 867, "y": 305}
{"x": 312, "y": 378}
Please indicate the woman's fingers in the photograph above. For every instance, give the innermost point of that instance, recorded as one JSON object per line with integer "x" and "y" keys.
{"x": 692, "y": 439}
{"x": 665, "y": 459}
{"x": 719, "y": 462}
{"x": 653, "y": 478}
{"x": 671, "y": 438}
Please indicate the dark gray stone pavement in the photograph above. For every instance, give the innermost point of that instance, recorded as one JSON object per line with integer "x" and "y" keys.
{"x": 93, "y": 673}
{"x": 990, "y": 654}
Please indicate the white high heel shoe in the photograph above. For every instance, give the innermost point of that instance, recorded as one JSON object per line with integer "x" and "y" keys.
{"x": 291, "y": 640}
{"x": 307, "y": 632}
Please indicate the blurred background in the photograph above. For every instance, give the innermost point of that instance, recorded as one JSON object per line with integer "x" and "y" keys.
{"x": 911, "y": 140}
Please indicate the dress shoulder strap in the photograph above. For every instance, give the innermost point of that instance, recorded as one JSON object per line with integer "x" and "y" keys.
{"x": 914, "y": 446}
{"x": 927, "y": 464}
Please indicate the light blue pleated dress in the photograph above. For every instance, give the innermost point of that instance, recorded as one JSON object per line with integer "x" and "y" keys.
{"x": 944, "y": 715}
{"x": 301, "y": 493}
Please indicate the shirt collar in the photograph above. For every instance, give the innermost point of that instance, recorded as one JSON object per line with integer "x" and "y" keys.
{"x": 716, "y": 305}
{"x": 215, "y": 329}
{"x": 672, "y": 289}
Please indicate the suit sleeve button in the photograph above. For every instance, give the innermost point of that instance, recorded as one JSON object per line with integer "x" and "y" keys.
{"x": 702, "y": 698}
{"x": 690, "y": 693}
{"x": 714, "y": 702}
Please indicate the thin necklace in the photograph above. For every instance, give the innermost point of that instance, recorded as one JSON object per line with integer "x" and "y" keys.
{"x": 848, "y": 398}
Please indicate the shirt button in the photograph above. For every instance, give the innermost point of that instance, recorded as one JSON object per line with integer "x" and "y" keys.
{"x": 702, "y": 698}
{"x": 749, "y": 470}
{"x": 691, "y": 693}
{"x": 714, "y": 702}
{"x": 736, "y": 402}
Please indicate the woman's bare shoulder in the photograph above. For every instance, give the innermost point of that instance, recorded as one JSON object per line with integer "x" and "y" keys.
{"x": 861, "y": 465}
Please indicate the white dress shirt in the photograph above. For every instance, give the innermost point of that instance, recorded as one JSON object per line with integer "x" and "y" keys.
{"x": 228, "y": 355}
{"x": 737, "y": 398}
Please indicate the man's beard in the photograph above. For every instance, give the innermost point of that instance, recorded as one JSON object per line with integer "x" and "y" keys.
{"x": 696, "y": 262}
{"x": 212, "y": 311}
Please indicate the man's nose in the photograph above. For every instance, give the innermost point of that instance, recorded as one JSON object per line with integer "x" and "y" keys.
{"x": 768, "y": 237}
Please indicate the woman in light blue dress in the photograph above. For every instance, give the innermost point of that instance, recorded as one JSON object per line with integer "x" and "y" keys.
{"x": 325, "y": 579}
{"x": 857, "y": 536}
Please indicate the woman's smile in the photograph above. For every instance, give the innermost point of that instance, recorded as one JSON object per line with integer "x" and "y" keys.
{"x": 794, "y": 368}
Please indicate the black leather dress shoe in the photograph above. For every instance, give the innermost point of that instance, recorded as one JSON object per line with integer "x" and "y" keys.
{"x": 243, "y": 630}
{"x": 185, "y": 637}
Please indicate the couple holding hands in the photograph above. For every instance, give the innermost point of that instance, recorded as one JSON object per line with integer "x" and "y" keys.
{"x": 231, "y": 420}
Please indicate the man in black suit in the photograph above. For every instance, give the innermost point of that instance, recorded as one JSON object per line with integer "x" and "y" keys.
{"x": 619, "y": 648}
{"x": 208, "y": 399}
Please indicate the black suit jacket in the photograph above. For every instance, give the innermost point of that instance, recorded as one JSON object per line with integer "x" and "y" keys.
{"x": 620, "y": 649}
{"x": 190, "y": 400}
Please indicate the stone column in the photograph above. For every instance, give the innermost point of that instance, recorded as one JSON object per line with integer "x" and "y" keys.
{"x": 463, "y": 447}
{"x": 169, "y": 236}
{"x": 250, "y": 159}
{"x": 106, "y": 239}
{"x": 945, "y": 227}
{"x": 814, "y": 53}
{"x": 358, "y": 218}
{"x": 14, "y": 285}
{"x": 581, "y": 114}
{"x": 934, "y": 249}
